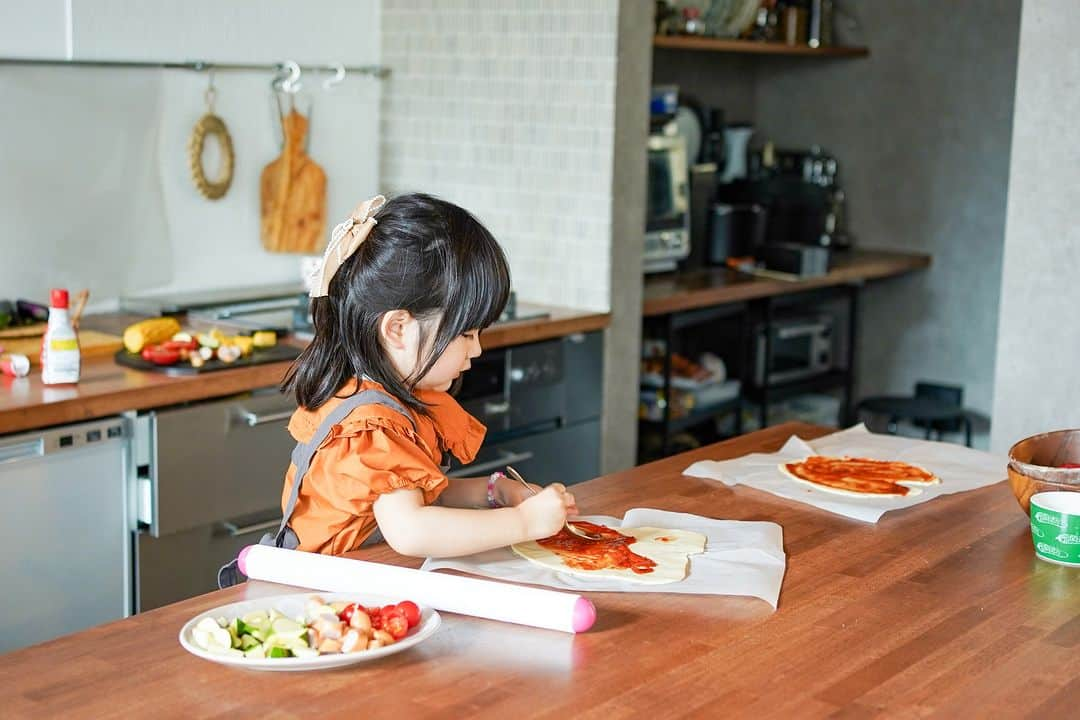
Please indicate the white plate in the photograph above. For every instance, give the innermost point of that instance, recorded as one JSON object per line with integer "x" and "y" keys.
{"x": 293, "y": 606}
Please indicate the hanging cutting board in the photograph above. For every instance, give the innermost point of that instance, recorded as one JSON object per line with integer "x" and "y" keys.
{"x": 91, "y": 344}
{"x": 293, "y": 195}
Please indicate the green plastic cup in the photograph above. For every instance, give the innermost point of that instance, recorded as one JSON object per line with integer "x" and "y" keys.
{"x": 1055, "y": 527}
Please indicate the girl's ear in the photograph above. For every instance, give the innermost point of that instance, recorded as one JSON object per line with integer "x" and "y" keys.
{"x": 395, "y": 328}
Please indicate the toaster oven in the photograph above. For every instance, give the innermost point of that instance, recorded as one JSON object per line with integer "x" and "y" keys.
{"x": 667, "y": 208}
{"x": 801, "y": 347}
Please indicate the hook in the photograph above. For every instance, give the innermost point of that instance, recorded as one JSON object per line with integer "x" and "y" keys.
{"x": 287, "y": 83}
{"x": 211, "y": 92}
{"x": 339, "y": 76}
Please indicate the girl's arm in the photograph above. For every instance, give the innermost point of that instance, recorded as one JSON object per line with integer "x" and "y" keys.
{"x": 472, "y": 493}
{"x": 419, "y": 530}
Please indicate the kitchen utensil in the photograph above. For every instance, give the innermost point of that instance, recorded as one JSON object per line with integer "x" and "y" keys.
{"x": 736, "y": 141}
{"x": 80, "y": 305}
{"x": 294, "y": 606}
{"x": 293, "y": 187}
{"x": 1055, "y": 527}
{"x": 505, "y": 602}
{"x": 572, "y": 528}
{"x": 735, "y": 231}
{"x": 1035, "y": 465}
{"x": 689, "y": 123}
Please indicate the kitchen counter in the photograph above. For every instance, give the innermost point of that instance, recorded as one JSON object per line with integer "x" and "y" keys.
{"x": 674, "y": 292}
{"x": 105, "y": 388}
{"x": 938, "y": 609}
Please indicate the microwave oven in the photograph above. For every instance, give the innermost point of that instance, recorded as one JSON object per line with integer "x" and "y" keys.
{"x": 667, "y": 207}
{"x": 802, "y": 347}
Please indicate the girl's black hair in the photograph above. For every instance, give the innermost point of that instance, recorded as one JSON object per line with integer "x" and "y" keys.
{"x": 424, "y": 255}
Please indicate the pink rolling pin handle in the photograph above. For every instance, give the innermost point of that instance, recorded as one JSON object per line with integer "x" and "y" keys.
{"x": 241, "y": 560}
{"x": 584, "y": 615}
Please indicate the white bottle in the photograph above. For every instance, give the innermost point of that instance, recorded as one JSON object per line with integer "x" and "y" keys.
{"x": 60, "y": 346}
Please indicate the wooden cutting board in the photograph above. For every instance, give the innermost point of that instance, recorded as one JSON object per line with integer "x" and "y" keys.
{"x": 91, "y": 344}
{"x": 293, "y": 195}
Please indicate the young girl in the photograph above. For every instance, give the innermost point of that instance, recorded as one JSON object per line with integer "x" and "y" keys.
{"x": 399, "y": 301}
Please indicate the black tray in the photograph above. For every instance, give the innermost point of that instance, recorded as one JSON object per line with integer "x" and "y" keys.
{"x": 277, "y": 353}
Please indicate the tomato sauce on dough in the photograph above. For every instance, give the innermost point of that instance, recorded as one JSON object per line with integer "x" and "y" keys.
{"x": 610, "y": 551}
{"x": 861, "y": 475}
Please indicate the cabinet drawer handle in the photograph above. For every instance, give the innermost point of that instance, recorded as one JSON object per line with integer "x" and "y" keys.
{"x": 235, "y": 530}
{"x": 253, "y": 419}
{"x": 505, "y": 458}
{"x": 497, "y": 408}
{"x": 22, "y": 450}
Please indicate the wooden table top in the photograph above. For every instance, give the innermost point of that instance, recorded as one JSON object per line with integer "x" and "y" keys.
{"x": 941, "y": 609}
{"x": 703, "y": 288}
{"x": 106, "y": 388}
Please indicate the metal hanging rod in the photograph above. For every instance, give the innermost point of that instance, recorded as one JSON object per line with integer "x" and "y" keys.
{"x": 376, "y": 71}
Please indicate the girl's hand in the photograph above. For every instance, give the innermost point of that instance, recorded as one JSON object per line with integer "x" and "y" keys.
{"x": 545, "y": 513}
{"x": 512, "y": 493}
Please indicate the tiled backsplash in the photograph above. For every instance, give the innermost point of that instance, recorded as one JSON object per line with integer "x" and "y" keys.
{"x": 506, "y": 107}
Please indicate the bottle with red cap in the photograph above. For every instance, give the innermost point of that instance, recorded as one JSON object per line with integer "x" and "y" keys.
{"x": 60, "y": 346}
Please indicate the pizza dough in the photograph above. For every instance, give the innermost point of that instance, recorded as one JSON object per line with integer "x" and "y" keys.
{"x": 669, "y": 549}
{"x": 904, "y": 475}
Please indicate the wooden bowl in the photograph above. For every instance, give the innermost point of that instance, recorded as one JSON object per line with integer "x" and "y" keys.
{"x": 1035, "y": 465}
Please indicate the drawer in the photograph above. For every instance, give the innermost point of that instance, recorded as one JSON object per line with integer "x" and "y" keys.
{"x": 185, "y": 564}
{"x": 567, "y": 455}
{"x": 218, "y": 461}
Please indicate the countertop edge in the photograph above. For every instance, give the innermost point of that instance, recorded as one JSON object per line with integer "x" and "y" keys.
{"x": 157, "y": 391}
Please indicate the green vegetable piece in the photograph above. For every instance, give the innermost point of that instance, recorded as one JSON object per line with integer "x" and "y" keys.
{"x": 280, "y": 652}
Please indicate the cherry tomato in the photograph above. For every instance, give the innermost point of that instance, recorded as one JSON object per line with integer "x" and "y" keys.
{"x": 346, "y": 614}
{"x": 376, "y": 618}
{"x": 411, "y": 612}
{"x": 160, "y": 355}
{"x": 396, "y": 624}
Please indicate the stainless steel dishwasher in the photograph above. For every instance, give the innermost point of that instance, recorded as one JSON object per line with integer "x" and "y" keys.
{"x": 65, "y": 524}
{"x": 210, "y": 476}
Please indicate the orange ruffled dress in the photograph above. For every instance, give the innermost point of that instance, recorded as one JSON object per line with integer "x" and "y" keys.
{"x": 374, "y": 450}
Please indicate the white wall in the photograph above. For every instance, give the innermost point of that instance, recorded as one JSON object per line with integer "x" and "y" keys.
{"x": 96, "y": 190}
{"x": 1037, "y": 385}
{"x": 507, "y": 107}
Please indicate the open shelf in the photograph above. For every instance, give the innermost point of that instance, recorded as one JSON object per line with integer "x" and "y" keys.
{"x": 696, "y": 416}
{"x": 723, "y": 45}
{"x": 781, "y": 391}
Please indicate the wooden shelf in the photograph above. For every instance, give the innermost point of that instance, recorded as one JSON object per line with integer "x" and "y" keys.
{"x": 686, "y": 42}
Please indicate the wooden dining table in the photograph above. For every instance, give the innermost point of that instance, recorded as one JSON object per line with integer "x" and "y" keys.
{"x": 938, "y": 610}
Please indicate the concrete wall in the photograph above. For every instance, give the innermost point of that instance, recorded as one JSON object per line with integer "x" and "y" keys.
{"x": 921, "y": 129}
{"x": 95, "y": 190}
{"x": 623, "y": 338}
{"x": 1037, "y": 387}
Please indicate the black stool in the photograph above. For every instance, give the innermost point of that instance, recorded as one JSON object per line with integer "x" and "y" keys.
{"x": 937, "y": 408}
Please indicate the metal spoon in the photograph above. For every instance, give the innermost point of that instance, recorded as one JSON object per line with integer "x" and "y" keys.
{"x": 573, "y": 529}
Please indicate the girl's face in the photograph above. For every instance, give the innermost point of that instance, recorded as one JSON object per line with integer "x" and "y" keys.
{"x": 456, "y": 360}
{"x": 401, "y": 338}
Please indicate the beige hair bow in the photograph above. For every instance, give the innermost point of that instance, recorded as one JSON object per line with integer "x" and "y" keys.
{"x": 344, "y": 240}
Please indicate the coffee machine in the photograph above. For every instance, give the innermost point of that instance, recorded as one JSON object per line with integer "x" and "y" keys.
{"x": 801, "y": 191}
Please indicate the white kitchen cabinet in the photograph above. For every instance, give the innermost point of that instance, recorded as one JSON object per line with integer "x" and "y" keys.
{"x": 268, "y": 31}
{"x": 35, "y": 29}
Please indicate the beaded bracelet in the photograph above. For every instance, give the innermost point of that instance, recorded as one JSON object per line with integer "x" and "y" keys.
{"x": 492, "y": 479}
